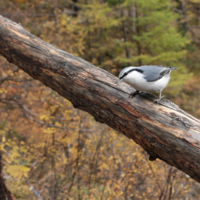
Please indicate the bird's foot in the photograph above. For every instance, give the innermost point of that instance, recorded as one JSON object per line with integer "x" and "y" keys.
{"x": 133, "y": 94}
{"x": 158, "y": 100}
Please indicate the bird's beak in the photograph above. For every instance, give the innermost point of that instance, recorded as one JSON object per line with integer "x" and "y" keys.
{"x": 117, "y": 81}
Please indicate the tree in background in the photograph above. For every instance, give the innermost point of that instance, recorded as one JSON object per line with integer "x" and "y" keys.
{"x": 115, "y": 35}
{"x": 189, "y": 24}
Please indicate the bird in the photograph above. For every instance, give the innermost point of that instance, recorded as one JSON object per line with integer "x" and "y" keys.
{"x": 146, "y": 78}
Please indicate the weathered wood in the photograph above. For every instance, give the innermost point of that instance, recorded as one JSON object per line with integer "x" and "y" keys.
{"x": 163, "y": 130}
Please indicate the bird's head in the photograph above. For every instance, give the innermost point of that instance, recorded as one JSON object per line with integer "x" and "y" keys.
{"x": 124, "y": 73}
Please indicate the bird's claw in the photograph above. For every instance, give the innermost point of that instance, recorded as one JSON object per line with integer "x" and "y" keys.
{"x": 133, "y": 94}
{"x": 158, "y": 100}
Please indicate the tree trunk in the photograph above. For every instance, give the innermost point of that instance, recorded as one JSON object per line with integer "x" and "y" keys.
{"x": 163, "y": 130}
{"x": 4, "y": 192}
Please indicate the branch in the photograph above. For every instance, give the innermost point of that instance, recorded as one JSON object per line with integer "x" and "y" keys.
{"x": 163, "y": 130}
{"x": 30, "y": 114}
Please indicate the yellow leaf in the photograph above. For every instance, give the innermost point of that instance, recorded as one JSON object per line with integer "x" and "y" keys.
{"x": 3, "y": 139}
{"x": 17, "y": 170}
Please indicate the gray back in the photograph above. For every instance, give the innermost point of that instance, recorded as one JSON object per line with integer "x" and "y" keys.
{"x": 154, "y": 72}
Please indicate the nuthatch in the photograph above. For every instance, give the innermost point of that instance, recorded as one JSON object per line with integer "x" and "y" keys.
{"x": 147, "y": 78}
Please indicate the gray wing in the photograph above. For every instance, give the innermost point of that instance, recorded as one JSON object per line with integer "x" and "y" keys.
{"x": 153, "y": 73}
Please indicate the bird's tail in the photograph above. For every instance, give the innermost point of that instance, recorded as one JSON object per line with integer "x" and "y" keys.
{"x": 173, "y": 68}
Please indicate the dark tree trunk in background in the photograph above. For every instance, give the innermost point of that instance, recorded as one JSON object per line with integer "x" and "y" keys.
{"x": 163, "y": 130}
{"x": 4, "y": 192}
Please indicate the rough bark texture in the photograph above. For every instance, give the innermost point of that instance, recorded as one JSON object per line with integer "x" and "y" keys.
{"x": 163, "y": 130}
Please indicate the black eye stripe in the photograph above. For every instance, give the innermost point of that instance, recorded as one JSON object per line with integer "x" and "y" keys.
{"x": 131, "y": 70}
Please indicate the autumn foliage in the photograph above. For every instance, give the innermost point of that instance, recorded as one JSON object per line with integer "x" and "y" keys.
{"x": 51, "y": 150}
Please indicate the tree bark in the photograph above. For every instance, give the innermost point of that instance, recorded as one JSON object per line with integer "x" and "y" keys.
{"x": 4, "y": 192}
{"x": 163, "y": 130}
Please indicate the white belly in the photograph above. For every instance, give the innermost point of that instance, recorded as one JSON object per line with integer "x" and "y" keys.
{"x": 137, "y": 81}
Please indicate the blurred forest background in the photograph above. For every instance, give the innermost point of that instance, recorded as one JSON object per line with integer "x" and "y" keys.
{"x": 53, "y": 151}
